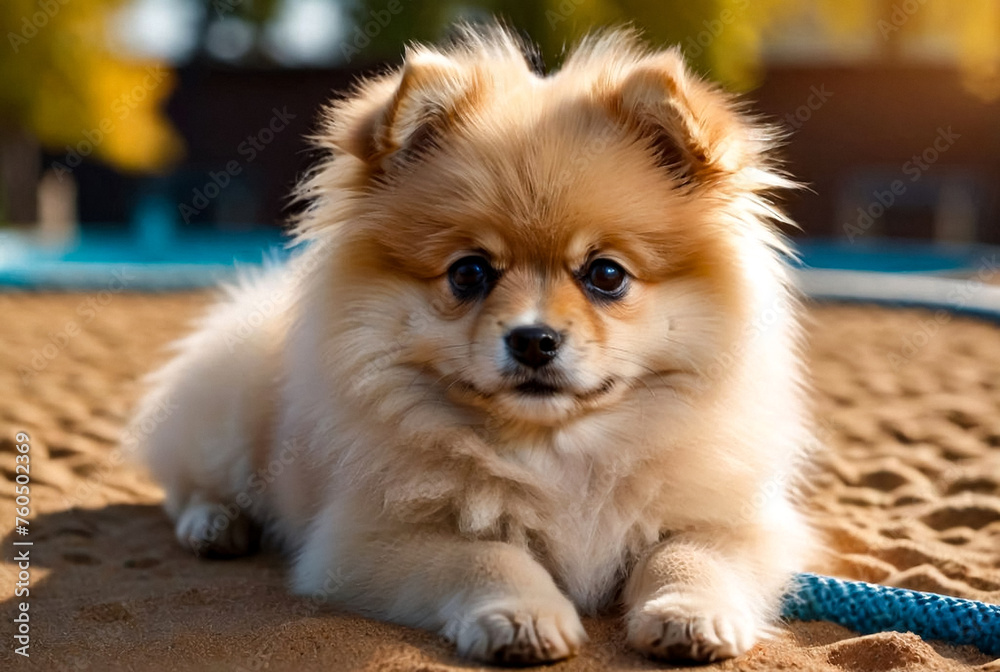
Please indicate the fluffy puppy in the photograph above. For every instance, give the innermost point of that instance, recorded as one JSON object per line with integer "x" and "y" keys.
{"x": 540, "y": 357}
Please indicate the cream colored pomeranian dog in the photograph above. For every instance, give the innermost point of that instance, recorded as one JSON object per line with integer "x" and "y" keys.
{"x": 539, "y": 358}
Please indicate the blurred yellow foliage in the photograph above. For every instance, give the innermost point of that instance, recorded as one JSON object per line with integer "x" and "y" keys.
{"x": 61, "y": 82}
{"x": 974, "y": 29}
{"x": 966, "y": 33}
{"x": 727, "y": 39}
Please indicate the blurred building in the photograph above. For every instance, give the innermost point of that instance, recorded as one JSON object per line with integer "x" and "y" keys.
{"x": 245, "y": 131}
{"x": 885, "y": 128}
{"x": 897, "y": 150}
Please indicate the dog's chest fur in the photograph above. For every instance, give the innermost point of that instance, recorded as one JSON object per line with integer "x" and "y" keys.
{"x": 586, "y": 522}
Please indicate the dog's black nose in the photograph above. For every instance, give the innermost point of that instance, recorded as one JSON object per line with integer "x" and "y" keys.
{"x": 533, "y": 345}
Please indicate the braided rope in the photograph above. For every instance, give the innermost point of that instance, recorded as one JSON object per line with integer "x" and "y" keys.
{"x": 868, "y": 608}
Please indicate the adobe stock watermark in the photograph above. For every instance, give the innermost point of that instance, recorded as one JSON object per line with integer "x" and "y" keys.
{"x": 30, "y": 25}
{"x": 914, "y": 169}
{"x": 121, "y": 108}
{"x": 86, "y": 311}
{"x": 562, "y": 12}
{"x": 929, "y": 327}
{"x": 273, "y": 302}
{"x": 365, "y": 32}
{"x": 388, "y": 355}
{"x": 131, "y": 439}
{"x": 202, "y": 197}
{"x": 260, "y": 313}
{"x": 695, "y": 45}
{"x": 333, "y": 581}
{"x": 817, "y": 98}
{"x": 585, "y": 155}
{"x": 901, "y": 13}
{"x": 774, "y": 315}
{"x": 784, "y": 480}
{"x": 256, "y": 484}
{"x": 223, "y": 7}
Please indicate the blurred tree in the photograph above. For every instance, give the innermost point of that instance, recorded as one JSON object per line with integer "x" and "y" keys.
{"x": 724, "y": 39}
{"x": 62, "y": 85}
{"x": 253, "y": 13}
{"x": 719, "y": 37}
{"x": 968, "y": 31}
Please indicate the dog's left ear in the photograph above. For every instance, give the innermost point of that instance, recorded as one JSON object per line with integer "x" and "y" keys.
{"x": 690, "y": 126}
{"x": 397, "y": 117}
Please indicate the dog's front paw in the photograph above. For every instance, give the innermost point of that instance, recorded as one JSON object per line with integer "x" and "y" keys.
{"x": 209, "y": 532}
{"x": 518, "y": 631}
{"x": 675, "y": 626}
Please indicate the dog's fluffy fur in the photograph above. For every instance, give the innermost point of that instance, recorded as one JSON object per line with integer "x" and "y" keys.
{"x": 357, "y": 409}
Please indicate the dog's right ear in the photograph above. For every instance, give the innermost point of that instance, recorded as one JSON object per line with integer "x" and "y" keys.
{"x": 397, "y": 118}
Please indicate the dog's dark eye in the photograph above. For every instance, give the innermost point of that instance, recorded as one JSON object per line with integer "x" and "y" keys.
{"x": 471, "y": 277}
{"x": 606, "y": 278}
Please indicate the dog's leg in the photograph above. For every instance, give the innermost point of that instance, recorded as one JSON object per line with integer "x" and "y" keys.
{"x": 491, "y": 599}
{"x": 711, "y": 595}
{"x": 216, "y": 529}
{"x": 204, "y": 417}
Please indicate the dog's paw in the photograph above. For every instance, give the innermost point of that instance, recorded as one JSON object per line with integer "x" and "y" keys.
{"x": 679, "y": 627}
{"x": 518, "y": 631}
{"x": 207, "y": 531}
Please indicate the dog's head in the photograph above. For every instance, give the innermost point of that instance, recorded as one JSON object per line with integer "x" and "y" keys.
{"x": 551, "y": 244}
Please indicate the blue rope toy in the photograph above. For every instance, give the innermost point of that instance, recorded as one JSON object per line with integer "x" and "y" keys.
{"x": 869, "y": 608}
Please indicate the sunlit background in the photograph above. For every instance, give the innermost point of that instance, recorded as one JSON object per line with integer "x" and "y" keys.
{"x": 155, "y": 129}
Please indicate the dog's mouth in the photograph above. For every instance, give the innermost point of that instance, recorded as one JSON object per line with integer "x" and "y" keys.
{"x": 537, "y": 388}
{"x": 541, "y": 389}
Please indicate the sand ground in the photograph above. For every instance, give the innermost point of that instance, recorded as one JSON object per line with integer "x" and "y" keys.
{"x": 909, "y": 496}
